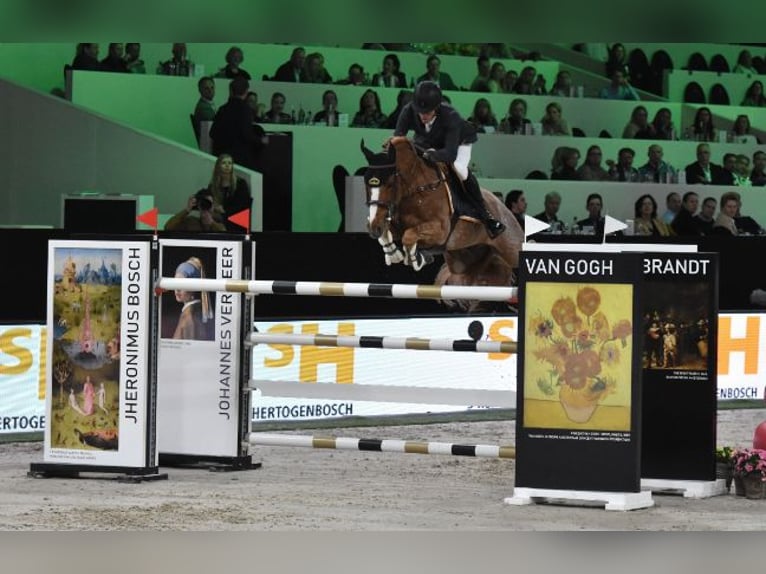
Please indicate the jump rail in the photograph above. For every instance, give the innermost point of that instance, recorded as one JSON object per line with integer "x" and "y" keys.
{"x": 327, "y": 289}
{"x": 371, "y": 342}
{"x": 384, "y": 445}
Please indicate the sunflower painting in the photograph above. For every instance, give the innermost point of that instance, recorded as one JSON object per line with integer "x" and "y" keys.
{"x": 578, "y": 350}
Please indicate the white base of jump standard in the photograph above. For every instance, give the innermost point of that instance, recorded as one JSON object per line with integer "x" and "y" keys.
{"x": 689, "y": 488}
{"x": 611, "y": 500}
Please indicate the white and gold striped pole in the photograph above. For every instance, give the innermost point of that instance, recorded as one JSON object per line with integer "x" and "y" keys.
{"x": 328, "y": 289}
{"x": 373, "y": 342}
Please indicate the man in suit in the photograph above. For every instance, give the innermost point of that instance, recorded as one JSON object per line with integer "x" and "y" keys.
{"x": 292, "y": 70}
{"x": 550, "y": 212}
{"x": 233, "y": 131}
{"x": 704, "y": 171}
{"x": 447, "y": 138}
{"x": 433, "y": 74}
{"x": 684, "y": 223}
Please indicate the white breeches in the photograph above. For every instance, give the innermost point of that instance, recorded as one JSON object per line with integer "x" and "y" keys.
{"x": 462, "y": 161}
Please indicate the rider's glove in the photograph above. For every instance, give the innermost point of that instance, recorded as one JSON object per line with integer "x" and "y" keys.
{"x": 430, "y": 155}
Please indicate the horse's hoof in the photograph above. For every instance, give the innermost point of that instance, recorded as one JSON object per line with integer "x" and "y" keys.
{"x": 397, "y": 257}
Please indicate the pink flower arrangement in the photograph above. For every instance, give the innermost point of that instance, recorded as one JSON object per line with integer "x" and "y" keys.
{"x": 750, "y": 461}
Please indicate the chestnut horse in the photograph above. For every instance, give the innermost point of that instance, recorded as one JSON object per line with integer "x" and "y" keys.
{"x": 409, "y": 201}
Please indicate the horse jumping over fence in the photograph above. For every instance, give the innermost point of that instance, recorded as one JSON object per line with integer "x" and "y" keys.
{"x": 410, "y": 202}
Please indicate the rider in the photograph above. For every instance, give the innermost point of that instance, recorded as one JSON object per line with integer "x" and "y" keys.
{"x": 448, "y": 138}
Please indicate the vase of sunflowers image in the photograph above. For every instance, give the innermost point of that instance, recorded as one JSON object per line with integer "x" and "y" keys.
{"x": 578, "y": 353}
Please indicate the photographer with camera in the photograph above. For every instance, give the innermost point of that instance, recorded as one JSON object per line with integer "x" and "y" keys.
{"x": 185, "y": 220}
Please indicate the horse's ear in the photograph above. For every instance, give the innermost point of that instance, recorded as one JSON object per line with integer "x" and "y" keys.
{"x": 368, "y": 153}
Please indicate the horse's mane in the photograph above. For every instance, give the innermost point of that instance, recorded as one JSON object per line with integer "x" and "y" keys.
{"x": 411, "y": 166}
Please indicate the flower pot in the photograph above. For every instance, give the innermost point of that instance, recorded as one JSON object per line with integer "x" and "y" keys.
{"x": 755, "y": 488}
{"x": 739, "y": 485}
{"x": 726, "y": 471}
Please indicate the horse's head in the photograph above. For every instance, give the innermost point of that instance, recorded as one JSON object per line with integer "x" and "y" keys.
{"x": 380, "y": 183}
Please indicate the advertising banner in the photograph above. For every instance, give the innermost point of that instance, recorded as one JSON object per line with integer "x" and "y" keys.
{"x": 198, "y": 363}
{"x": 22, "y": 378}
{"x": 678, "y": 313}
{"x": 578, "y": 417}
{"x": 98, "y": 369}
{"x": 394, "y": 367}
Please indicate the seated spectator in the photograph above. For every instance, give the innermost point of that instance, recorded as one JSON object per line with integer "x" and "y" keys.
{"x": 257, "y": 108}
{"x": 673, "y": 206}
{"x": 549, "y": 215}
{"x": 529, "y": 83}
{"x": 328, "y": 115}
{"x": 646, "y": 221}
{"x": 758, "y": 175}
{"x": 619, "y": 88}
{"x": 703, "y": 130}
{"x": 564, "y": 164}
{"x": 740, "y": 130}
{"x": 516, "y": 121}
{"x": 663, "y": 125}
{"x": 562, "y": 87}
{"x": 591, "y": 169}
{"x": 369, "y": 114}
{"x": 746, "y": 225}
{"x": 233, "y": 131}
{"x": 593, "y": 224}
{"x": 517, "y": 205}
{"x": 729, "y": 166}
{"x": 355, "y": 77}
{"x": 179, "y": 64}
{"x": 205, "y": 110}
{"x": 553, "y": 121}
{"x": 509, "y": 83}
{"x": 656, "y": 170}
{"x": 754, "y": 95}
{"x": 705, "y": 219}
{"x": 482, "y": 117}
{"x": 742, "y": 171}
{"x": 86, "y": 58}
{"x": 639, "y": 127}
{"x": 133, "y": 58}
{"x": 229, "y": 191}
{"x": 403, "y": 98}
{"x": 481, "y": 81}
{"x": 292, "y": 70}
{"x": 314, "y": 71}
{"x": 683, "y": 223}
{"x": 703, "y": 171}
{"x": 232, "y": 69}
{"x": 391, "y": 75}
{"x": 622, "y": 169}
{"x": 617, "y": 59}
{"x": 276, "y": 113}
{"x": 434, "y": 74}
{"x": 496, "y": 81}
{"x": 745, "y": 64}
{"x": 115, "y": 60}
{"x": 202, "y": 203}
{"x": 724, "y": 223}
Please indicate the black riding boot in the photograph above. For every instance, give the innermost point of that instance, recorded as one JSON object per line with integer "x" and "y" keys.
{"x": 473, "y": 192}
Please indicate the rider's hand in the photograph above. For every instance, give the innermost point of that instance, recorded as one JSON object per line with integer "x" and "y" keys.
{"x": 430, "y": 155}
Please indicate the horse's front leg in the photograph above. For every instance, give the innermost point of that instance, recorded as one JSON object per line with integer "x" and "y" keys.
{"x": 428, "y": 235}
{"x": 392, "y": 253}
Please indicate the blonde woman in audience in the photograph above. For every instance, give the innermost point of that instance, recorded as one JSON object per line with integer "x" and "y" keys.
{"x": 639, "y": 127}
{"x": 646, "y": 220}
{"x": 553, "y": 121}
{"x": 496, "y": 82}
{"x": 564, "y": 164}
{"x": 745, "y": 64}
{"x": 562, "y": 87}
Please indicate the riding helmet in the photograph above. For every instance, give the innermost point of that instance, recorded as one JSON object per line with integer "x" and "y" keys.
{"x": 427, "y": 97}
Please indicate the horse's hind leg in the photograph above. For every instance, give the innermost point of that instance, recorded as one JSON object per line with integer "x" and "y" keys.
{"x": 392, "y": 253}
